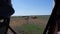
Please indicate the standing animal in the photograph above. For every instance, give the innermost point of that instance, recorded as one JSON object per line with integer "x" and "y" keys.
{"x": 6, "y": 10}
{"x": 53, "y": 25}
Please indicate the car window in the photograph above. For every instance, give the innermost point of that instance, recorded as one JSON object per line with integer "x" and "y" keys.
{"x": 31, "y": 16}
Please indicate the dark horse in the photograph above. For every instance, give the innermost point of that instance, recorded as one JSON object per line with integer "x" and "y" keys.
{"x": 53, "y": 25}
{"x": 6, "y": 10}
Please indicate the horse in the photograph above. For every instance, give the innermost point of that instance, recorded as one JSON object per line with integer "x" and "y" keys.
{"x": 6, "y": 10}
{"x": 52, "y": 26}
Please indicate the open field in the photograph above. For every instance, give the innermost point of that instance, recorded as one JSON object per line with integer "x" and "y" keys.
{"x": 30, "y": 26}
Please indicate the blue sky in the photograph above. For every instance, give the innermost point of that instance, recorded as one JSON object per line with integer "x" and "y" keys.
{"x": 32, "y": 7}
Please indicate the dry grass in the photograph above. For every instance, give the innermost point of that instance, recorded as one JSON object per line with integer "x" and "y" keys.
{"x": 21, "y": 21}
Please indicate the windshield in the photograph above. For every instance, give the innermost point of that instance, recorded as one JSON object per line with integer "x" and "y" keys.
{"x": 31, "y": 16}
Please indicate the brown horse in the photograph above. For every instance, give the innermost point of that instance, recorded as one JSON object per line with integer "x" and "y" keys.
{"x": 53, "y": 23}
{"x": 57, "y": 26}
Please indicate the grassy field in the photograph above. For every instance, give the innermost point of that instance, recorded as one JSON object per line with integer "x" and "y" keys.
{"x": 30, "y": 26}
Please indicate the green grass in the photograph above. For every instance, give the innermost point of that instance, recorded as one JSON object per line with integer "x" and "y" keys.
{"x": 30, "y": 29}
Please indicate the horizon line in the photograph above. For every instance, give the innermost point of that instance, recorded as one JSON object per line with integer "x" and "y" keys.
{"x": 26, "y": 15}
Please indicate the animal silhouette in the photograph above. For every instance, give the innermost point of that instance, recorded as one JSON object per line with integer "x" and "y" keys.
{"x": 52, "y": 22}
{"x": 6, "y": 10}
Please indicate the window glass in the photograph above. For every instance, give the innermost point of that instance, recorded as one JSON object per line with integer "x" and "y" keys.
{"x": 31, "y": 16}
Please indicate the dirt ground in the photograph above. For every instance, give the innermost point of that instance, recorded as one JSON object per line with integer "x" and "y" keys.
{"x": 21, "y": 21}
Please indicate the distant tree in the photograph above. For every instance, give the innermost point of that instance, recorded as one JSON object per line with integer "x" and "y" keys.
{"x": 26, "y": 18}
{"x": 34, "y": 17}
